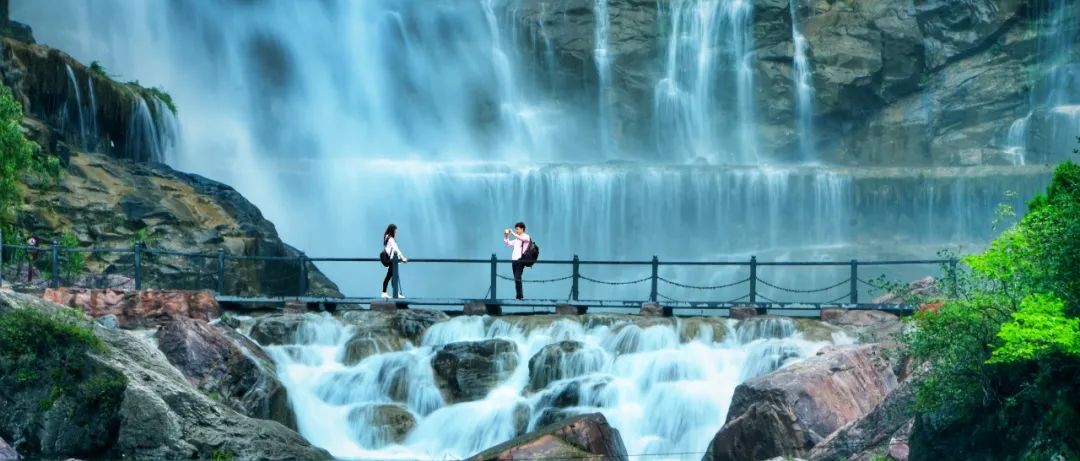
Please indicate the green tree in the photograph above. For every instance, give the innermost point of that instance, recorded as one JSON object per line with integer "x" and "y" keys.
{"x": 16, "y": 156}
{"x": 1003, "y": 380}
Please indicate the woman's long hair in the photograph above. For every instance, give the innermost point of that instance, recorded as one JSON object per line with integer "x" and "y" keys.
{"x": 391, "y": 232}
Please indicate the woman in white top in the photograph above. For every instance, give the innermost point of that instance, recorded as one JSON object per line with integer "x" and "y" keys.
{"x": 390, "y": 246}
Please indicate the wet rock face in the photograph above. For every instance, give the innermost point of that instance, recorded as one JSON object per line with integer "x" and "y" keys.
{"x": 391, "y": 422}
{"x": 467, "y": 371}
{"x": 140, "y": 407}
{"x": 934, "y": 82}
{"x": 277, "y": 330}
{"x": 885, "y": 429}
{"x": 228, "y": 367}
{"x": 412, "y": 323}
{"x": 550, "y": 364}
{"x": 791, "y": 410}
{"x": 7, "y": 453}
{"x": 106, "y": 202}
{"x": 138, "y": 309}
{"x": 583, "y": 437}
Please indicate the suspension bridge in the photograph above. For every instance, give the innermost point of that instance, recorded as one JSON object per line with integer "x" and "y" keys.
{"x": 260, "y": 282}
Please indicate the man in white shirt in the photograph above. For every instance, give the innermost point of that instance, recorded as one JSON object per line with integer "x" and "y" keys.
{"x": 519, "y": 245}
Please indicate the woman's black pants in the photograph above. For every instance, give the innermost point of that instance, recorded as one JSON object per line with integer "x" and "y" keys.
{"x": 389, "y": 276}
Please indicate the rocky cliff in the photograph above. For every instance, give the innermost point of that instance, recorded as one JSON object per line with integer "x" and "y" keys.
{"x": 112, "y": 193}
{"x": 77, "y": 388}
{"x": 909, "y": 82}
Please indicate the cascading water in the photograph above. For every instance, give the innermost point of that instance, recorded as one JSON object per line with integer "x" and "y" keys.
{"x": 1055, "y": 96}
{"x": 603, "y": 72}
{"x": 804, "y": 89}
{"x": 666, "y": 387}
{"x": 708, "y": 42}
{"x": 78, "y": 110}
{"x": 152, "y": 133}
{"x": 1016, "y": 139}
{"x": 91, "y": 113}
{"x": 337, "y": 118}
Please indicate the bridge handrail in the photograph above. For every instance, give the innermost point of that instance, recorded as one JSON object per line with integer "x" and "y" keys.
{"x": 139, "y": 250}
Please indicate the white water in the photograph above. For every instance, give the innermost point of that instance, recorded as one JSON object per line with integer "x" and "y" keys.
{"x": 336, "y": 118}
{"x": 665, "y": 388}
{"x": 695, "y": 115}
{"x": 804, "y": 89}
{"x": 602, "y": 57}
{"x": 78, "y": 105}
{"x": 1016, "y": 139}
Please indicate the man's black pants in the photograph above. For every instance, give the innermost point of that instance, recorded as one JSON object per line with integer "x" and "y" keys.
{"x": 519, "y": 267}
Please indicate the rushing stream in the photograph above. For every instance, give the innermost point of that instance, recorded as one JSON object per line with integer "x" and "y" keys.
{"x": 665, "y": 385}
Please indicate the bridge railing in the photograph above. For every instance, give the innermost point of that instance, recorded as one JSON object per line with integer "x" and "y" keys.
{"x": 139, "y": 266}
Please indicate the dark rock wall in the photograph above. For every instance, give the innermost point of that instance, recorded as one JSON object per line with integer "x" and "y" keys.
{"x": 909, "y": 82}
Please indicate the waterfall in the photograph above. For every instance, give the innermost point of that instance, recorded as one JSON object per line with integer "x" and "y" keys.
{"x": 1016, "y": 139}
{"x": 665, "y": 387}
{"x": 602, "y": 57}
{"x": 91, "y": 113}
{"x": 1055, "y": 96}
{"x": 804, "y": 89}
{"x": 78, "y": 105}
{"x": 340, "y": 117}
{"x": 151, "y": 134}
{"x": 708, "y": 42}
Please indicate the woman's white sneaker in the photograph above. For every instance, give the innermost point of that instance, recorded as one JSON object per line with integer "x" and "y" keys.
{"x": 385, "y": 296}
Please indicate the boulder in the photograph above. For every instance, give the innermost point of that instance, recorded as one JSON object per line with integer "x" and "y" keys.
{"x": 652, "y": 310}
{"x": 561, "y": 360}
{"x": 789, "y": 411}
{"x": 869, "y": 326}
{"x": 368, "y": 341}
{"x": 130, "y": 403}
{"x": 7, "y": 453}
{"x": 583, "y": 437}
{"x": 922, "y": 288}
{"x": 138, "y": 309}
{"x": 467, "y": 371}
{"x": 884, "y": 429}
{"x": 277, "y": 329}
{"x": 391, "y": 424}
{"x": 412, "y": 323}
{"x": 227, "y": 366}
{"x": 742, "y": 312}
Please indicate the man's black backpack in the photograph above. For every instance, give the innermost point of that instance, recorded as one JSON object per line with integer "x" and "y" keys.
{"x": 531, "y": 254}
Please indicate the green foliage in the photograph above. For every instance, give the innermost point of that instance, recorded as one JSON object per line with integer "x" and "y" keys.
{"x": 16, "y": 156}
{"x": 1005, "y": 352}
{"x": 144, "y": 236}
{"x": 46, "y": 353}
{"x": 1039, "y": 328}
{"x": 222, "y": 455}
{"x": 97, "y": 68}
{"x": 74, "y": 262}
{"x": 164, "y": 97}
{"x": 155, "y": 93}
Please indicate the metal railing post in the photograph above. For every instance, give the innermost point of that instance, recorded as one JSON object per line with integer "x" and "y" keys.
{"x": 396, "y": 280}
{"x": 753, "y": 279}
{"x": 494, "y": 274}
{"x": 574, "y": 280}
{"x": 302, "y": 283}
{"x": 138, "y": 265}
{"x": 55, "y": 265}
{"x": 221, "y": 271}
{"x": 655, "y": 278}
{"x": 954, "y": 290}
{"x": 854, "y": 282}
